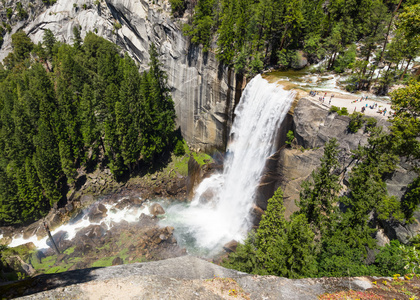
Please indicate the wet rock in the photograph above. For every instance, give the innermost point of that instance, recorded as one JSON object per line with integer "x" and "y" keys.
{"x": 256, "y": 214}
{"x": 117, "y": 261}
{"x": 86, "y": 200}
{"x": 53, "y": 220}
{"x": 32, "y": 229}
{"x": 156, "y": 209}
{"x": 96, "y": 232}
{"x": 97, "y": 213}
{"x": 207, "y": 196}
{"x": 125, "y": 202}
{"x": 58, "y": 238}
{"x": 231, "y": 246}
{"x": 69, "y": 207}
{"x": 172, "y": 189}
{"x": 146, "y": 221}
{"x": 194, "y": 173}
{"x": 157, "y": 190}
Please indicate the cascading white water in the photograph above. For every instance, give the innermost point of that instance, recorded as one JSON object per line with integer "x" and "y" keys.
{"x": 114, "y": 216}
{"x": 210, "y": 224}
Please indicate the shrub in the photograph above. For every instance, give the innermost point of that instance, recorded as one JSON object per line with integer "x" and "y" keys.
{"x": 343, "y": 111}
{"x": 334, "y": 109}
{"x": 179, "y": 148}
{"x": 177, "y": 7}
{"x": 117, "y": 25}
{"x": 370, "y": 124}
{"x": 9, "y": 13}
{"x": 290, "y": 137}
{"x": 356, "y": 122}
{"x": 389, "y": 259}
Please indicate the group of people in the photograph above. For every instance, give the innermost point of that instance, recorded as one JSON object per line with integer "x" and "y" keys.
{"x": 321, "y": 98}
{"x": 361, "y": 99}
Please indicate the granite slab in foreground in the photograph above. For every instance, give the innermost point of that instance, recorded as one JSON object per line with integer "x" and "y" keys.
{"x": 185, "y": 277}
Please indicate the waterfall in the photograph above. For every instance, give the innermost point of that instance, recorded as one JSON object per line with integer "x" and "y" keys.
{"x": 220, "y": 209}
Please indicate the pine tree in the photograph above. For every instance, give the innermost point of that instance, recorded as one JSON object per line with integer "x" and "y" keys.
{"x": 319, "y": 194}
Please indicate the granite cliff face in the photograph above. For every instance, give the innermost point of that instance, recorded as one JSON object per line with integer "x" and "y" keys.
{"x": 204, "y": 91}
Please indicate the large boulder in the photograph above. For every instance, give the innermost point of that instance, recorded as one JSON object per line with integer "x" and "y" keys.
{"x": 97, "y": 213}
{"x": 156, "y": 209}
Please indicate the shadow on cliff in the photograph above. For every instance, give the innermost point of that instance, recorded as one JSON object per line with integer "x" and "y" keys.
{"x": 45, "y": 282}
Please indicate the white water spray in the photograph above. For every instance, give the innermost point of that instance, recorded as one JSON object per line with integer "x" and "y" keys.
{"x": 114, "y": 216}
{"x": 210, "y": 224}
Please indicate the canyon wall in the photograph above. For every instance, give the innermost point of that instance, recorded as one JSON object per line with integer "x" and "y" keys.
{"x": 204, "y": 91}
{"x": 313, "y": 125}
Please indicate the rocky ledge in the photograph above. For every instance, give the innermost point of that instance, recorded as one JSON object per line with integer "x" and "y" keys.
{"x": 184, "y": 277}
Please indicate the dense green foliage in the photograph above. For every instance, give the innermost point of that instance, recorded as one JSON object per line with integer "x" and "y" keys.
{"x": 250, "y": 35}
{"x": 92, "y": 107}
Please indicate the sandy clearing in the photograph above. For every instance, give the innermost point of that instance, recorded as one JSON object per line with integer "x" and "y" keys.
{"x": 353, "y": 103}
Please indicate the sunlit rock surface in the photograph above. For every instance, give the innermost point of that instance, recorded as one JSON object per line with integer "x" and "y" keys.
{"x": 178, "y": 278}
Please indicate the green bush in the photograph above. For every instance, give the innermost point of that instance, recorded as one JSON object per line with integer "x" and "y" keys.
{"x": 334, "y": 109}
{"x": 290, "y": 137}
{"x": 179, "y": 149}
{"x": 389, "y": 260}
{"x": 356, "y": 122}
{"x": 343, "y": 111}
{"x": 117, "y": 25}
{"x": 177, "y": 7}
{"x": 9, "y": 13}
{"x": 370, "y": 124}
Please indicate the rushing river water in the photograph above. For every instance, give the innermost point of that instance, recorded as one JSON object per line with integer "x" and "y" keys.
{"x": 220, "y": 210}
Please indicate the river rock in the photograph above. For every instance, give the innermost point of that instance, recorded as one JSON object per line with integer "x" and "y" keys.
{"x": 53, "y": 219}
{"x": 32, "y": 229}
{"x": 125, "y": 202}
{"x": 146, "y": 221}
{"x": 157, "y": 190}
{"x": 156, "y": 209}
{"x": 69, "y": 207}
{"x": 97, "y": 213}
{"x": 58, "y": 238}
{"x": 172, "y": 189}
{"x": 86, "y": 200}
{"x": 231, "y": 246}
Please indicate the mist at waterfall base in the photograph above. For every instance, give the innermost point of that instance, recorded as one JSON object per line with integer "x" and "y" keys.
{"x": 220, "y": 210}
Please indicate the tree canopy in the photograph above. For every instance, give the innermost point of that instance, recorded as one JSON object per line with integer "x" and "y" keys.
{"x": 92, "y": 109}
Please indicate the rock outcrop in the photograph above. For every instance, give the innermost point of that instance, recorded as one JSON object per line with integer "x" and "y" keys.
{"x": 178, "y": 278}
{"x": 204, "y": 91}
{"x": 313, "y": 126}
